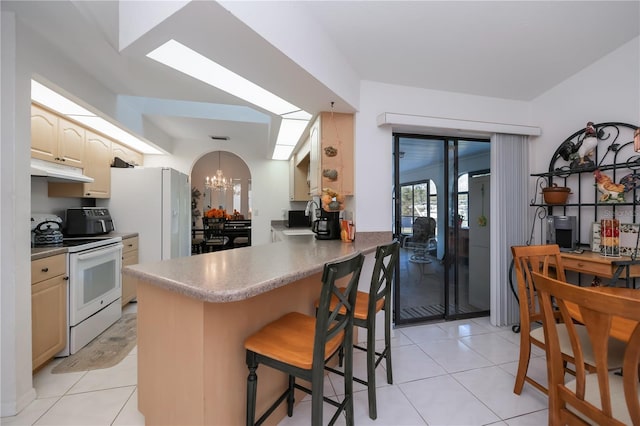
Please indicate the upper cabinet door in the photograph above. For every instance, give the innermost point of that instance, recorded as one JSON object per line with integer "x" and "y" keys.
{"x": 98, "y": 166}
{"x": 71, "y": 143}
{"x": 314, "y": 158}
{"x": 127, "y": 154}
{"x": 331, "y": 153}
{"x": 44, "y": 134}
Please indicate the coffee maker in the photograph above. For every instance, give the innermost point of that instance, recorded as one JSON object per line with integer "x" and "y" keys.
{"x": 327, "y": 226}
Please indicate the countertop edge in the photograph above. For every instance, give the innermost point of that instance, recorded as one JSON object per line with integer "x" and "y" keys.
{"x": 365, "y": 242}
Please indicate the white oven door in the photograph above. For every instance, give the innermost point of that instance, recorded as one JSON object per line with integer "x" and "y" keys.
{"x": 94, "y": 281}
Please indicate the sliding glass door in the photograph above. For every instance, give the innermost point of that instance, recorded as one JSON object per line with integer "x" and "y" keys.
{"x": 441, "y": 209}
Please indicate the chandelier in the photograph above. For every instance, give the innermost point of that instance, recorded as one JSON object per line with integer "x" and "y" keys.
{"x": 218, "y": 182}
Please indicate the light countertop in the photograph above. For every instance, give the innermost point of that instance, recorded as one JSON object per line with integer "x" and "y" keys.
{"x": 239, "y": 274}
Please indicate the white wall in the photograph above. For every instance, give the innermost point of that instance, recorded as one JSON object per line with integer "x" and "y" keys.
{"x": 15, "y": 241}
{"x": 310, "y": 48}
{"x": 607, "y": 91}
{"x": 373, "y": 147}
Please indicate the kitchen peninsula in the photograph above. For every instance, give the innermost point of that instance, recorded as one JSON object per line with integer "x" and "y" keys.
{"x": 195, "y": 312}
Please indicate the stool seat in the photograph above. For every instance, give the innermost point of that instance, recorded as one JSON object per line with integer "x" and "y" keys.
{"x": 300, "y": 345}
{"x": 289, "y": 339}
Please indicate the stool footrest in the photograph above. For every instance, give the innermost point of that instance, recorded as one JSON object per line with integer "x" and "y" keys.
{"x": 379, "y": 355}
{"x": 340, "y": 405}
{"x": 340, "y": 373}
{"x": 272, "y": 408}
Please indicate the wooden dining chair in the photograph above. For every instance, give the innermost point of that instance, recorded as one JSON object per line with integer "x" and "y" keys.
{"x": 603, "y": 397}
{"x": 546, "y": 260}
{"x": 300, "y": 345}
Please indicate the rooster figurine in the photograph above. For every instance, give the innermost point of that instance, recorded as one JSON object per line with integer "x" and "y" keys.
{"x": 611, "y": 192}
{"x": 586, "y": 147}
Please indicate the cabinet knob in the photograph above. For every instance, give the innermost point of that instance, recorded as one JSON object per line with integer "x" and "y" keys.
{"x": 580, "y": 264}
{"x": 45, "y": 269}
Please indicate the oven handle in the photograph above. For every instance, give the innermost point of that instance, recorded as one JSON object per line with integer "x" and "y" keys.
{"x": 99, "y": 251}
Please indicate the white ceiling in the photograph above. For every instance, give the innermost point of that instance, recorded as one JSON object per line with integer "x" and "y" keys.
{"x": 513, "y": 50}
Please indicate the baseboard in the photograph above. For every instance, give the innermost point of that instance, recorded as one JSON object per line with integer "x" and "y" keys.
{"x": 12, "y": 408}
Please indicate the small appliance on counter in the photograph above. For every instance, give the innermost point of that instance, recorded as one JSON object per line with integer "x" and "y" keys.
{"x": 327, "y": 226}
{"x": 46, "y": 230}
{"x": 88, "y": 221}
{"x": 298, "y": 219}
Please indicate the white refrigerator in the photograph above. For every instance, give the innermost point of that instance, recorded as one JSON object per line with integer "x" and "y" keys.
{"x": 155, "y": 203}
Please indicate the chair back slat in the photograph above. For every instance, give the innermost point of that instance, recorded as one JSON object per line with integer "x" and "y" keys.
{"x": 330, "y": 322}
{"x": 598, "y": 311}
{"x": 382, "y": 277}
{"x": 544, "y": 259}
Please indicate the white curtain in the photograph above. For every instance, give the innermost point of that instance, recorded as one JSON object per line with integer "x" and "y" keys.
{"x": 509, "y": 207}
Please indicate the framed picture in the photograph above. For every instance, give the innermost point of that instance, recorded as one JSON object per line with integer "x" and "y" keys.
{"x": 628, "y": 238}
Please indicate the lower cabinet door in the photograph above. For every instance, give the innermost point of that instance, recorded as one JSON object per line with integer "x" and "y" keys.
{"x": 48, "y": 319}
{"x": 129, "y": 283}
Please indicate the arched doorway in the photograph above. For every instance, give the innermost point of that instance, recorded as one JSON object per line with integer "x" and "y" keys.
{"x": 220, "y": 202}
{"x": 235, "y": 198}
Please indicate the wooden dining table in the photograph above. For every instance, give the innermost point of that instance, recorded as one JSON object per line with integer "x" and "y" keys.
{"x": 621, "y": 328}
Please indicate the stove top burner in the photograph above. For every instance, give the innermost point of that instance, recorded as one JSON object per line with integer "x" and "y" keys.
{"x": 75, "y": 244}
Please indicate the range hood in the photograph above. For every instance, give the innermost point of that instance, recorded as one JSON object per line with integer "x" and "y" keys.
{"x": 58, "y": 172}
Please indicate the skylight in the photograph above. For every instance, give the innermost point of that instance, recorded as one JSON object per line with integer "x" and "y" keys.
{"x": 47, "y": 97}
{"x": 181, "y": 58}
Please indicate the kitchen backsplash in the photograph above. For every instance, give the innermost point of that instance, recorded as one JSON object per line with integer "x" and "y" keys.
{"x": 42, "y": 203}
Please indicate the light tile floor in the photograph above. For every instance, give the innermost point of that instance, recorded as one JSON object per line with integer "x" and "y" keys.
{"x": 451, "y": 373}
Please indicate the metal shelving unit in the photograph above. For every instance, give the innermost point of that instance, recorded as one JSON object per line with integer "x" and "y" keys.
{"x": 615, "y": 156}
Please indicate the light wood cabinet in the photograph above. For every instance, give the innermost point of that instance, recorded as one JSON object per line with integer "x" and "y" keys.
{"x": 127, "y": 154}
{"x": 315, "y": 187}
{"x": 299, "y": 178}
{"x": 331, "y": 153}
{"x": 56, "y": 139}
{"x": 44, "y": 134}
{"x": 97, "y": 166}
{"x": 129, "y": 257}
{"x": 48, "y": 308}
{"x": 71, "y": 143}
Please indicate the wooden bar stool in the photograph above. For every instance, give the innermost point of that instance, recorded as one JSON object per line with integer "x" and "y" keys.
{"x": 300, "y": 345}
{"x": 367, "y": 306}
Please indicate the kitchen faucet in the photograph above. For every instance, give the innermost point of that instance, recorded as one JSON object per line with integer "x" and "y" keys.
{"x": 307, "y": 209}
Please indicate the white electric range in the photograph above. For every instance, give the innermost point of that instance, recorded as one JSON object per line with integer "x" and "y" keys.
{"x": 94, "y": 292}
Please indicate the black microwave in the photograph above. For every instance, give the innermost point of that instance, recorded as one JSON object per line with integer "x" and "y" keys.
{"x": 297, "y": 219}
